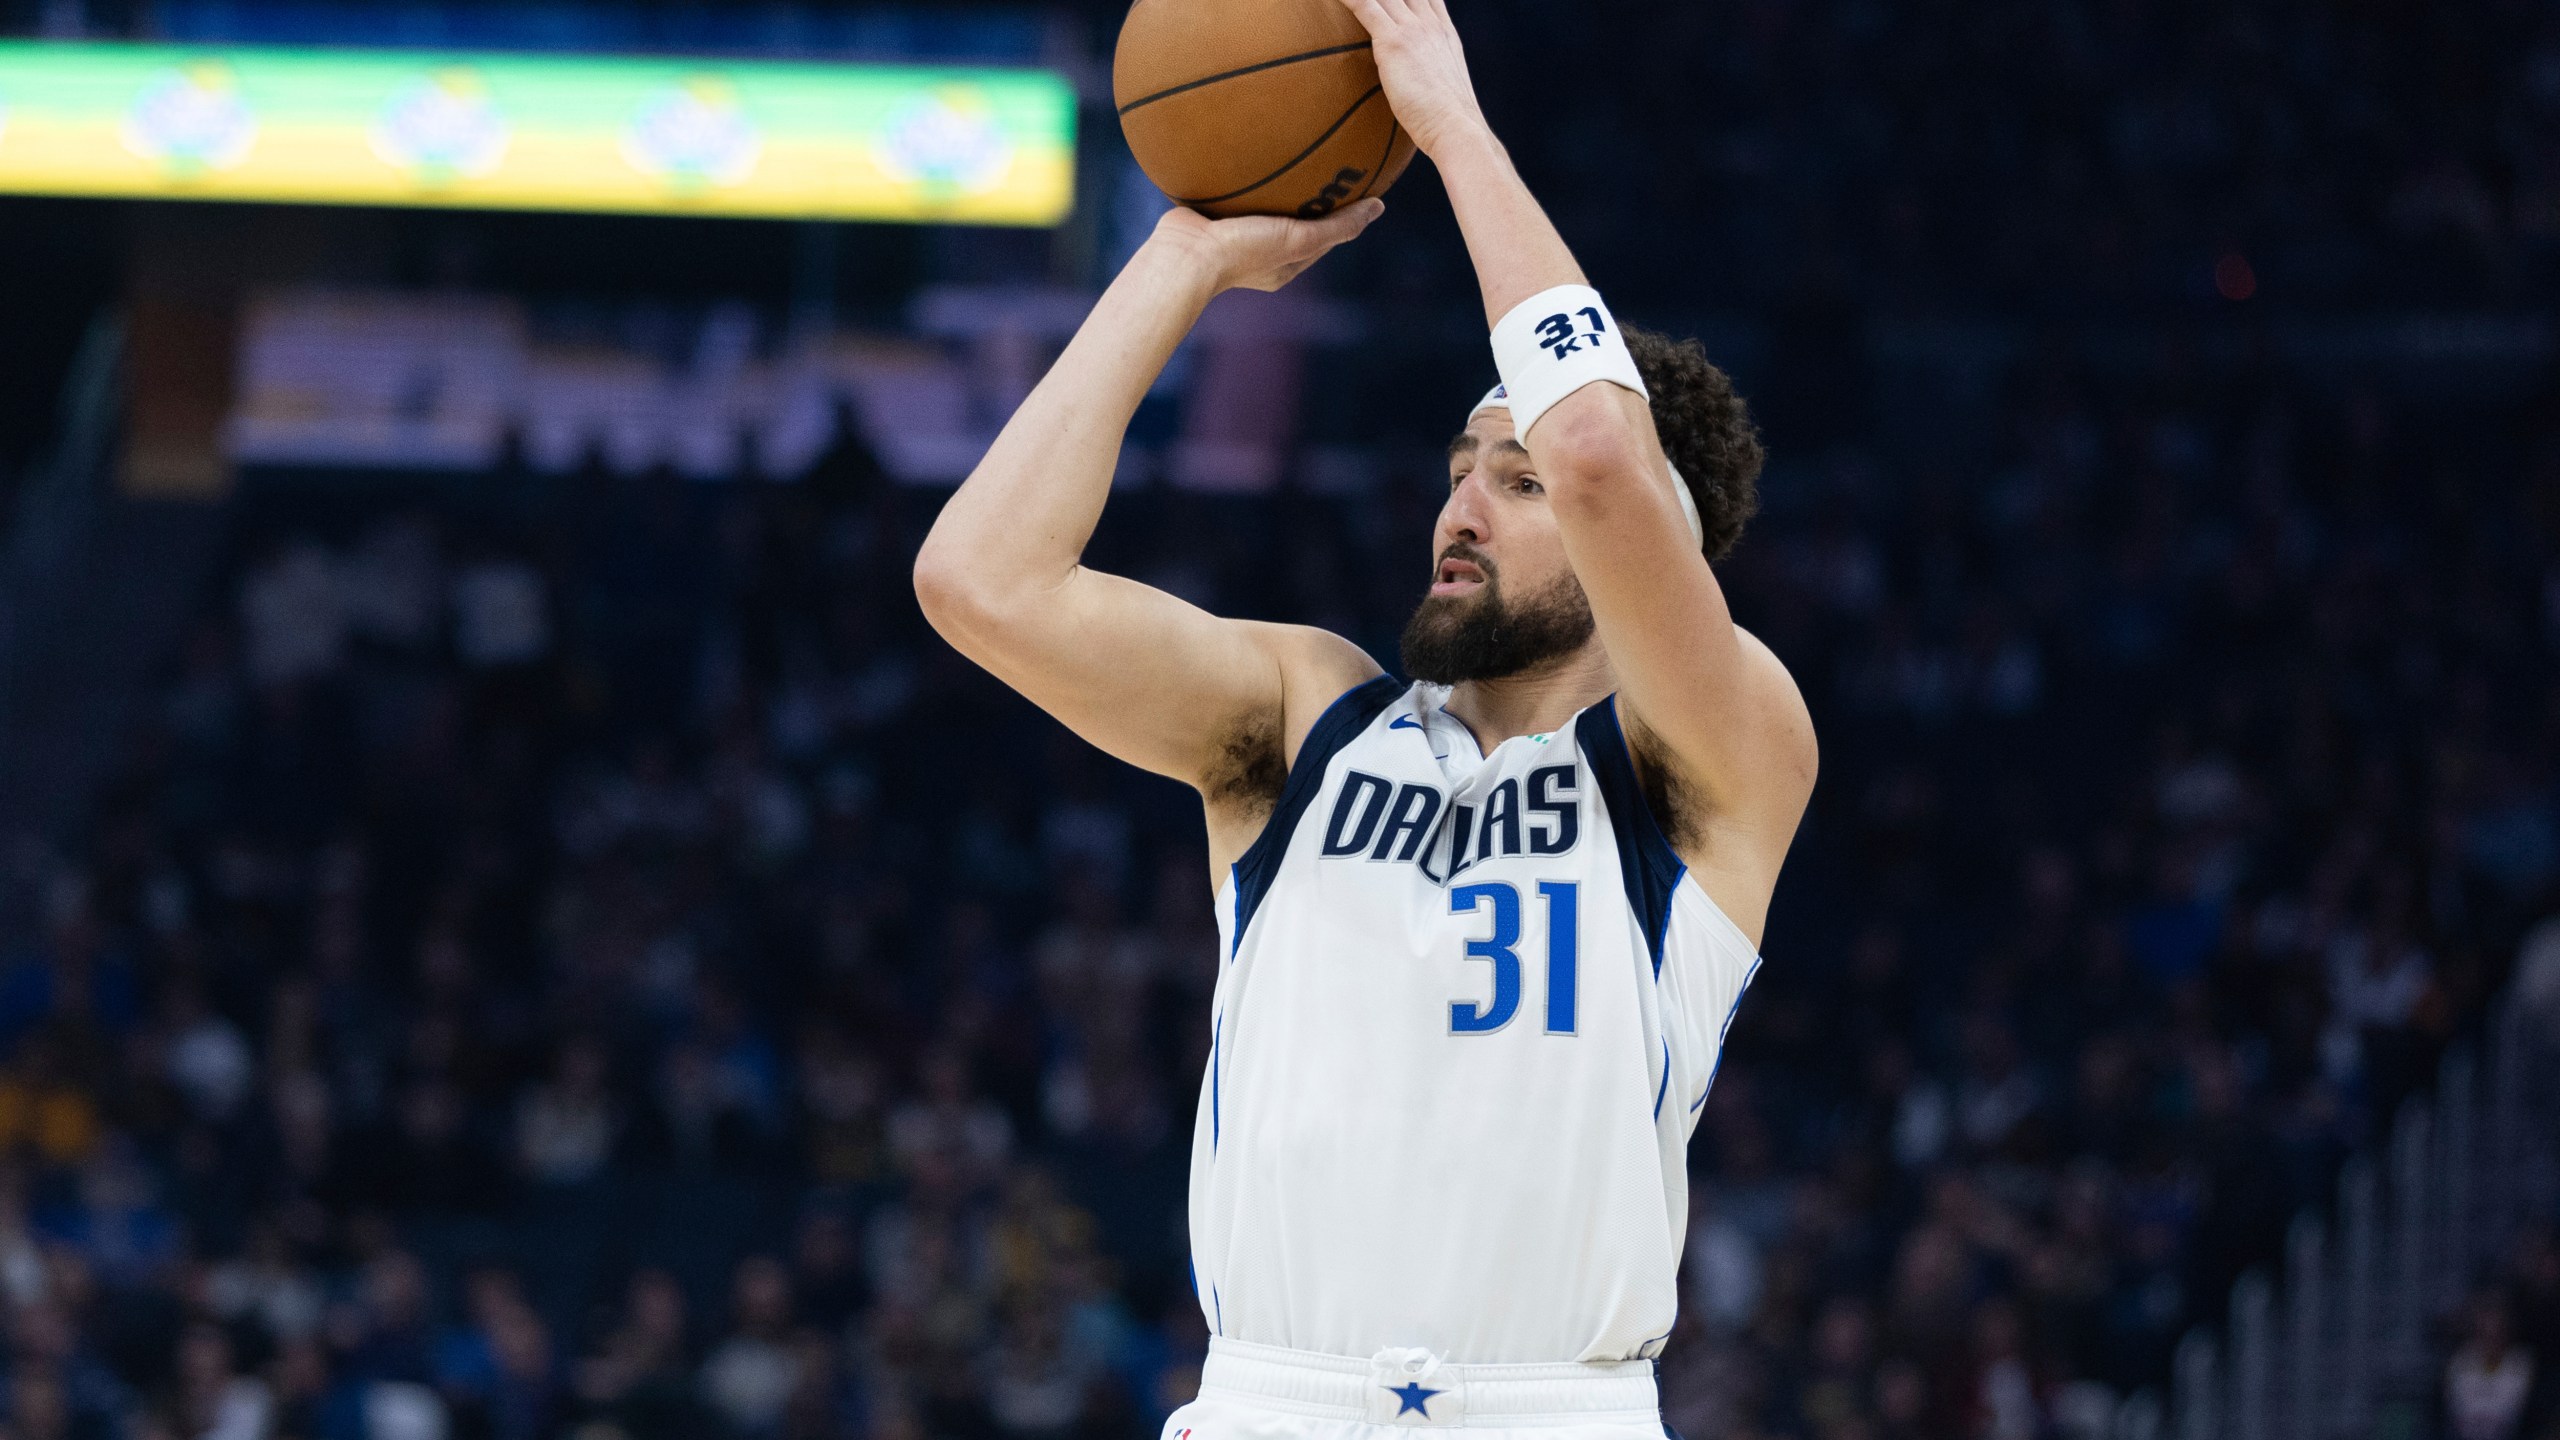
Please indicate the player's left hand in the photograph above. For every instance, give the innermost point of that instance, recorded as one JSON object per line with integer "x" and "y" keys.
{"x": 1423, "y": 67}
{"x": 1260, "y": 252}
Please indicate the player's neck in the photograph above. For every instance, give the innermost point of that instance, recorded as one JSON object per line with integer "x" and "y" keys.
{"x": 1533, "y": 702}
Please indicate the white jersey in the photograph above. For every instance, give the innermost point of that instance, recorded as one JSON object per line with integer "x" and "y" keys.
{"x": 1469, "y": 1010}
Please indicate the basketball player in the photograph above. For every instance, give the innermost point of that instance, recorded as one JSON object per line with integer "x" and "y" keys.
{"x": 1483, "y": 932}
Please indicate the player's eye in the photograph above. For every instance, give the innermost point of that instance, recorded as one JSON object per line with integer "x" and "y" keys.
{"x": 1529, "y": 486}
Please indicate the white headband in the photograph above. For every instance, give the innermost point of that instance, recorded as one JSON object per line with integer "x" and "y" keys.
{"x": 1498, "y": 398}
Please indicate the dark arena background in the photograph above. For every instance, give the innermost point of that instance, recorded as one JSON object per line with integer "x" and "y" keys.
{"x": 511, "y": 926}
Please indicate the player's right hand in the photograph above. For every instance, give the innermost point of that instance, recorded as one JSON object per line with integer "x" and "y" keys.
{"x": 1424, "y": 69}
{"x": 1261, "y": 252}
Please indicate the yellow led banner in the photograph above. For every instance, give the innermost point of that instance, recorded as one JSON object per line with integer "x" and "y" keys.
{"x": 519, "y": 132}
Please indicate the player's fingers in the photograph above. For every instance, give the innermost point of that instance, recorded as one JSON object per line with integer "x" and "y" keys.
{"x": 1370, "y": 13}
{"x": 1346, "y": 223}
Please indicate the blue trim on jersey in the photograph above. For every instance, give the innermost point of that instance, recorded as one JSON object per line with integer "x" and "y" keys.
{"x": 1747, "y": 977}
{"x": 1341, "y": 723}
{"x": 1670, "y": 893}
{"x": 1646, "y": 861}
{"x": 1665, "y": 1087}
{"x": 1217, "y": 1037}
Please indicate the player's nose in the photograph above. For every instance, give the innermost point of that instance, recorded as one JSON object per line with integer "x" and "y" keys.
{"x": 1467, "y": 516}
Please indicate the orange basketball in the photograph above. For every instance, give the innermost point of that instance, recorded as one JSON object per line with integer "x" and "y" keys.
{"x": 1255, "y": 107}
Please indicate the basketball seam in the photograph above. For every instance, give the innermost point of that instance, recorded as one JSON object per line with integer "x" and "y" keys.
{"x": 1395, "y": 132}
{"x": 1247, "y": 70}
{"x": 1294, "y": 161}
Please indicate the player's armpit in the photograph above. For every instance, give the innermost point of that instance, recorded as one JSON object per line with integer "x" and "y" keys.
{"x": 1735, "y": 841}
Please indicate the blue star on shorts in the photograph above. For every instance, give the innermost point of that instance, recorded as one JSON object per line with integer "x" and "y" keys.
{"x": 1412, "y": 1398}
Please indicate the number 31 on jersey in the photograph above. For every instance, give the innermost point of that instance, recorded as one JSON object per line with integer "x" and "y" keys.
{"x": 1563, "y": 899}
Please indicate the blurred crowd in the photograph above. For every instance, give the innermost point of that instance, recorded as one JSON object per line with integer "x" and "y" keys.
{"x": 575, "y": 956}
{"x": 2188, "y": 784}
{"x": 592, "y": 966}
{"x": 2054, "y": 157}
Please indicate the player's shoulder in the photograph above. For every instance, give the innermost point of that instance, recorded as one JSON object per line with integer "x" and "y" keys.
{"x": 1774, "y": 726}
{"x": 1774, "y": 686}
{"x": 1317, "y": 667}
{"x": 1774, "y": 705}
{"x": 1313, "y": 668}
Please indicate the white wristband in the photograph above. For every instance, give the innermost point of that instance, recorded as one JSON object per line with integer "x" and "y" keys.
{"x": 1553, "y": 344}
{"x": 1598, "y": 352}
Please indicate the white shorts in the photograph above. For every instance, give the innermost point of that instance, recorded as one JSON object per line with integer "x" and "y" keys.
{"x": 1261, "y": 1392}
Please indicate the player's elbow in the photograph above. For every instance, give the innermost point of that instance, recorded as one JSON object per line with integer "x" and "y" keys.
{"x": 953, "y": 600}
{"x": 974, "y": 596}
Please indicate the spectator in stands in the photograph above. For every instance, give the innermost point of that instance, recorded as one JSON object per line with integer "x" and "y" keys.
{"x": 2536, "y": 1276}
{"x": 2538, "y": 980}
{"x": 641, "y": 1378}
{"x": 752, "y": 1375}
{"x": 566, "y": 1130}
{"x": 496, "y": 1372}
{"x": 215, "y": 1402}
{"x": 2493, "y": 1387}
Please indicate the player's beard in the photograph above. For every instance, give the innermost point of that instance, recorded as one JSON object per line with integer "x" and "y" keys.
{"x": 1452, "y": 639}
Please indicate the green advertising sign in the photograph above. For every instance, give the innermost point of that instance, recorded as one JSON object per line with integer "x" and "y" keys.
{"x": 520, "y": 132}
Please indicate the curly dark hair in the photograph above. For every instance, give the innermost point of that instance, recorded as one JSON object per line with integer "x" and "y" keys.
{"x": 1705, "y": 429}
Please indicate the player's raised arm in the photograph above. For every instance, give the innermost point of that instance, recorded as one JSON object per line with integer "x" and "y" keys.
{"x": 1140, "y": 673}
{"x": 1717, "y": 701}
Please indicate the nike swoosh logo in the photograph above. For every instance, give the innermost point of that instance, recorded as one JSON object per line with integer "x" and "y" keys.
{"x": 1404, "y": 722}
